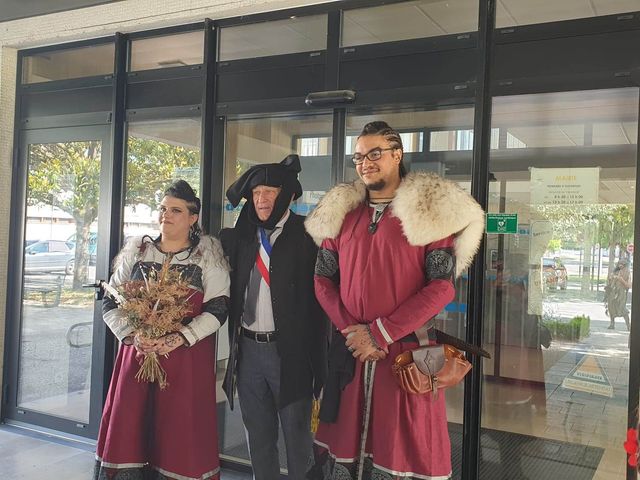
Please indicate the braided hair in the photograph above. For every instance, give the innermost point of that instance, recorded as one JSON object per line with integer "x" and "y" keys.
{"x": 392, "y": 136}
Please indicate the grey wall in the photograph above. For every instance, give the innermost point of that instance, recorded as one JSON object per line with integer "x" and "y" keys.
{"x": 13, "y": 9}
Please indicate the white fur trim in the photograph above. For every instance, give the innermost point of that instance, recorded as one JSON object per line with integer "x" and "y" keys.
{"x": 428, "y": 206}
{"x": 209, "y": 251}
{"x": 326, "y": 219}
{"x": 212, "y": 246}
{"x": 129, "y": 251}
{"x": 431, "y": 208}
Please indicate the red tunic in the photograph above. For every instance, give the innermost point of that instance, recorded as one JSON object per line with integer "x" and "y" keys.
{"x": 383, "y": 283}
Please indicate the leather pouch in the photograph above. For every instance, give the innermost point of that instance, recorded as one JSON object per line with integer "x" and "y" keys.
{"x": 428, "y": 369}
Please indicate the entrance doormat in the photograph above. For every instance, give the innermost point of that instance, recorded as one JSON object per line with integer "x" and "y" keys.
{"x": 513, "y": 456}
{"x": 503, "y": 455}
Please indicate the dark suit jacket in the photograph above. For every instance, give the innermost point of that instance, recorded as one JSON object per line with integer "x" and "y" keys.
{"x": 300, "y": 321}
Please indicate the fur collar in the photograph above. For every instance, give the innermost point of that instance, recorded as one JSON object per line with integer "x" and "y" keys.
{"x": 428, "y": 206}
{"x": 207, "y": 254}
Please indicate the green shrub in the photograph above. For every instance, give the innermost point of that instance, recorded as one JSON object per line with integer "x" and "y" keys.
{"x": 575, "y": 329}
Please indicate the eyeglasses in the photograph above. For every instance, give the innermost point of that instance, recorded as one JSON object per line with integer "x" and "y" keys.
{"x": 373, "y": 155}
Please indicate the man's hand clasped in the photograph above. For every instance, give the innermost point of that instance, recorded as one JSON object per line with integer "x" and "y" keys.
{"x": 361, "y": 344}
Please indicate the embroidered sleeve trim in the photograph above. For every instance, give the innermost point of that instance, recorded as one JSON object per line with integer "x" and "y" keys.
{"x": 218, "y": 307}
{"x": 440, "y": 264}
{"x": 327, "y": 264}
{"x": 189, "y": 335}
{"x": 383, "y": 331}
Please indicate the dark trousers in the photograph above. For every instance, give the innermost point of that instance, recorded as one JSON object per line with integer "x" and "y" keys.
{"x": 258, "y": 393}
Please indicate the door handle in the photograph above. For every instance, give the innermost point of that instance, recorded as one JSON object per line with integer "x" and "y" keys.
{"x": 99, "y": 293}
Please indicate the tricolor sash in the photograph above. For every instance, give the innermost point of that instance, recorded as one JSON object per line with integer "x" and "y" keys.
{"x": 263, "y": 256}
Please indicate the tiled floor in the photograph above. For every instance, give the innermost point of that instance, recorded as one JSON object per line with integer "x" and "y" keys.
{"x": 26, "y": 457}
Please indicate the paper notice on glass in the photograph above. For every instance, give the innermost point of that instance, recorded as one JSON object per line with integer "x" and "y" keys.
{"x": 541, "y": 233}
{"x": 534, "y": 304}
{"x": 564, "y": 186}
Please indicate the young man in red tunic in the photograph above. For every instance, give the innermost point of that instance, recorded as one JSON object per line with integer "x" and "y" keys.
{"x": 391, "y": 247}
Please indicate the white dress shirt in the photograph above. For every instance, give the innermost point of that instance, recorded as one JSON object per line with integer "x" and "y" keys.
{"x": 264, "y": 310}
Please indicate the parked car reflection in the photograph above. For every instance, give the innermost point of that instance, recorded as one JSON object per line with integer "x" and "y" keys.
{"x": 49, "y": 256}
{"x": 555, "y": 273}
{"x": 92, "y": 246}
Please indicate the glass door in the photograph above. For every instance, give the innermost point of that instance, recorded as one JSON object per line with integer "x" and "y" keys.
{"x": 57, "y": 334}
{"x": 558, "y": 285}
{"x": 438, "y": 140}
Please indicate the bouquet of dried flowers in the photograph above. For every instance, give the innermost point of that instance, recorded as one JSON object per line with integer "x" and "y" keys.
{"x": 153, "y": 307}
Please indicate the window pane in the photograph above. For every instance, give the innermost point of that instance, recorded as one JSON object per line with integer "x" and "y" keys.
{"x": 158, "y": 152}
{"x": 566, "y": 135}
{"x": 408, "y": 20}
{"x": 169, "y": 51}
{"x": 448, "y": 149}
{"x": 453, "y": 140}
{"x": 269, "y": 140}
{"x": 293, "y": 35}
{"x": 71, "y": 63}
{"x": 615, "y": 133}
{"x": 557, "y": 301}
{"x": 59, "y": 257}
{"x": 511, "y": 13}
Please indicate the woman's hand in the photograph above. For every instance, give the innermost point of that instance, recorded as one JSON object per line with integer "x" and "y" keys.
{"x": 143, "y": 345}
{"x": 169, "y": 343}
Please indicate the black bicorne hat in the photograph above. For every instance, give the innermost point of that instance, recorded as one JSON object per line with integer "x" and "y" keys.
{"x": 283, "y": 175}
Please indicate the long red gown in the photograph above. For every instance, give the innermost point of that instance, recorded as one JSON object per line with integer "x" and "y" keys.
{"x": 146, "y": 432}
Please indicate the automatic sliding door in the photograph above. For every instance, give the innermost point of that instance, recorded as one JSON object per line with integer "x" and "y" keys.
{"x": 252, "y": 141}
{"x": 558, "y": 272}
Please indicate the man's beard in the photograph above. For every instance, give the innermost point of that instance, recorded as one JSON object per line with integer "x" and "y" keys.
{"x": 376, "y": 186}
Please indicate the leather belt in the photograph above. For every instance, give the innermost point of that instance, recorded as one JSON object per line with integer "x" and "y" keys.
{"x": 412, "y": 337}
{"x": 409, "y": 338}
{"x": 260, "y": 337}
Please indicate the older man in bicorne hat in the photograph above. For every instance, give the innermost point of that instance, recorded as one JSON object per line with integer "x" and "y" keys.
{"x": 277, "y": 329}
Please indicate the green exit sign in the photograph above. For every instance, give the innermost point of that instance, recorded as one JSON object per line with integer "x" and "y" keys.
{"x": 502, "y": 223}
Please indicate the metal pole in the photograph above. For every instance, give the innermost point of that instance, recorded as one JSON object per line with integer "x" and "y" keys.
{"x": 480, "y": 190}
